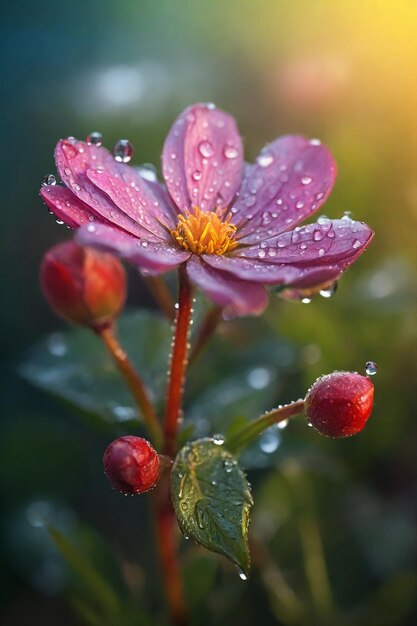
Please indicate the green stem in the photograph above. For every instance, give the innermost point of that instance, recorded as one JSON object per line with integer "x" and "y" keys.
{"x": 251, "y": 432}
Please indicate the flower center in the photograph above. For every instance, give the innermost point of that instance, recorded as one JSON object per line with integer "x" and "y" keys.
{"x": 205, "y": 233}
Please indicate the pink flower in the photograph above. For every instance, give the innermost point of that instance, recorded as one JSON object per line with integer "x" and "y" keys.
{"x": 235, "y": 226}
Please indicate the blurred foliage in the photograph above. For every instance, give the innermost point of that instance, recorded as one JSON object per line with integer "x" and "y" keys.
{"x": 346, "y": 72}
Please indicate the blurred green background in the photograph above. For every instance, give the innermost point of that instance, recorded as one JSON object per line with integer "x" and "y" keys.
{"x": 345, "y": 72}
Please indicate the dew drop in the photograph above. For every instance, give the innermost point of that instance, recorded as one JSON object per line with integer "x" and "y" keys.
{"x": 57, "y": 345}
{"x": 241, "y": 573}
{"x": 196, "y": 175}
{"x": 269, "y": 440}
{"x": 206, "y": 149}
{"x": 371, "y": 368}
{"x": 356, "y": 244}
{"x": 282, "y": 425}
{"x": 329, "y": 291}
{"x": 265, "y": 159}
{"x": 261, "y": 254}
{"x": 148, "y": 172}
{"x": 228, "y": 465}
{"x": 218, "y": 439}
{"x": 48, "y": 180}
{"x": 230, "y": 152}
{"x": 306, "y": 180}
{"x": 306, "y": 300}
{"x": 94, "y": 138}
{"x": 123, "y": 151}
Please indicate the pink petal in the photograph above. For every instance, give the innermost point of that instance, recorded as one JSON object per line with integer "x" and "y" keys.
{"x": 290, "y": 181}
{"x": 325, "y": 242}
{"x": 151, "y": 257}
{"x": 253, "y": 270}
{"x": 138, "y": 201}
{"x": 65, "y": 206}
{"x": 202, "y": 158}
{"x": 238, "y": 296}
{"x": 74, "y": 159}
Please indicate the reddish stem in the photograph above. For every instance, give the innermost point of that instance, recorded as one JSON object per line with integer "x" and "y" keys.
{"x": 168, "y": 554}
{"x": 178, "y": 363}
{"x": 161, "y": 295}
{"x": 133, "y": 380}
{"x": 208, "y": 326}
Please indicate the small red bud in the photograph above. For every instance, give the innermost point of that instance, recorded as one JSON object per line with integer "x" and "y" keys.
{"x": 339, "y": 404}
{"x": 82, "y": 285}
{"x": 131, "y": 464}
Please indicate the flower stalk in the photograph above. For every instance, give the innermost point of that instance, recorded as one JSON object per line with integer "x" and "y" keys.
{"x": 251, "y": 432}
{"x": 133, "y": 381}
{"x": 165, "y": 524}
{"x": 161, "y": 295}
{"x": 206, "y": 331}
{"x": 178, "y": 365}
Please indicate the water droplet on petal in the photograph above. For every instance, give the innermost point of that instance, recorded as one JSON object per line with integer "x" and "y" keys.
{"x": 94, "y": 138}
{"x": 148, "y": 172}
{"x": 206, "y": 149}
{"x": 328, "y": 292}
{"x": 356, "y": 244}
{"x": 230, "y": 152}
{"x": 371, "y": 368}
{"x": 196, "y": 175}
{"x": 123, "y": 151}
{"x": 306, "y": 180}
{"x": 261, "y": 254}
{"x": 265, "y": 159}
{"x": 48, "y": 180}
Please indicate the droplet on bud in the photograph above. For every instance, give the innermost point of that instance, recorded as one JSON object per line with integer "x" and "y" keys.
{"x": 94, "y": 138}
{"x": 123, "y": 151}
{"x": 48, "y": 180}
{"x": 218, "y": 439}
{"x": 371, "y": 368}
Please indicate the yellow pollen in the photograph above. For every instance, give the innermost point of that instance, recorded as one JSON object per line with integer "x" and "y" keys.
{"x": 205, "y": 233}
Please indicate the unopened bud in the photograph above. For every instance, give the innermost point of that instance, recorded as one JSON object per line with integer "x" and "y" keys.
{"x": 131, "y": 464}
{"x": 82, "y": 285}
{"x": 339, "y": 404}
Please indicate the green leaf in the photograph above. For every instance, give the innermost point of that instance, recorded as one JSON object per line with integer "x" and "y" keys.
{"x": 212, "y": 500}
{"x": 98, "y": 588}
{"x": 76, "y": 367}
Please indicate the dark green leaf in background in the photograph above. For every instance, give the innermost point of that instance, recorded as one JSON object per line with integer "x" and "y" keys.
{"x": 212, "y": 500}
{"x": 76, "y": 367}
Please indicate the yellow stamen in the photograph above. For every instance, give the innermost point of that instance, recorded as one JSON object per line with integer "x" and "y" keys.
{"x": 205, "y": 233}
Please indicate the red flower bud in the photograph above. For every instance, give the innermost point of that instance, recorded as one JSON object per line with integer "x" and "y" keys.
{"x": 82, "y": 285}
{"x": 131, "y": 464}
{"x": 339, "y": 404}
